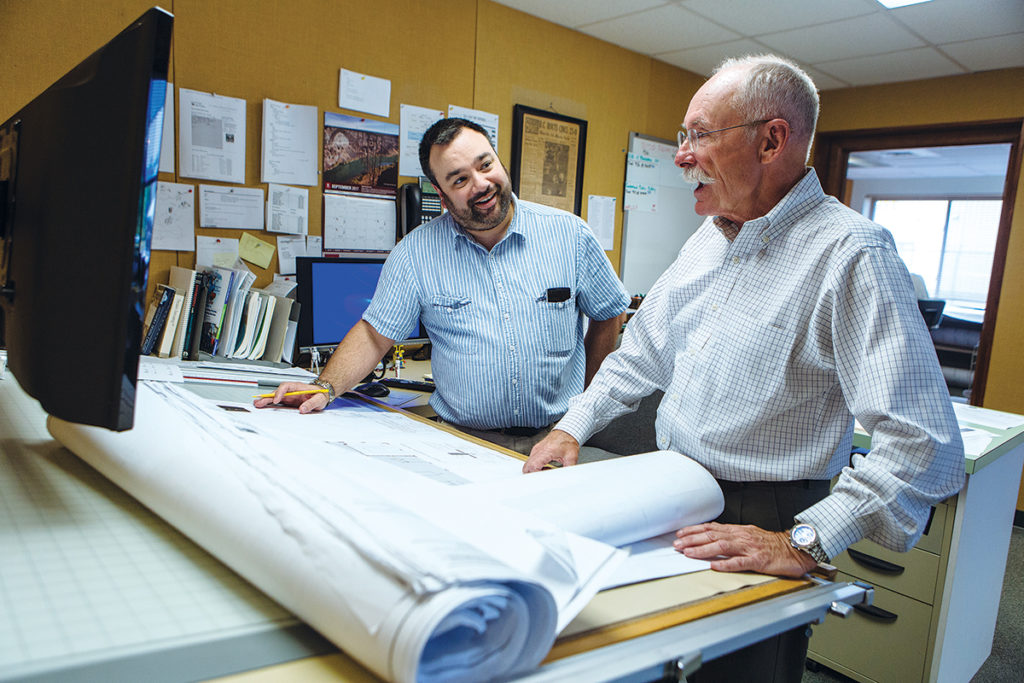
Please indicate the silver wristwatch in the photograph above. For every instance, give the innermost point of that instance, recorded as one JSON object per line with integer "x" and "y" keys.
{"x": 805, "y": 537}
{"x": 324, "y": 384}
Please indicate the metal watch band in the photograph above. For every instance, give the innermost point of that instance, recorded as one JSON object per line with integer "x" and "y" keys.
{"x": 817, "y": 552}
{"x": 324, "y": 384}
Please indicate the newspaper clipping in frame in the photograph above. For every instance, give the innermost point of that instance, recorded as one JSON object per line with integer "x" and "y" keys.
{"x": 549, "y": 160}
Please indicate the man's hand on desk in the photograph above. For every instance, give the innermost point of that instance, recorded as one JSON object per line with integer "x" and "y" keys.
{"x": 742, "y": 548}
{"x": 312, "y": 398}
{"x": 557, "y": 446}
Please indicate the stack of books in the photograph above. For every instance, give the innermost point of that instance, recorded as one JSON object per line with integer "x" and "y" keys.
{"x": 217, "y": 312}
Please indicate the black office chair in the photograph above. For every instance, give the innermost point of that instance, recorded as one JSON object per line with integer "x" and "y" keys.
{"x": 931, "y": 309}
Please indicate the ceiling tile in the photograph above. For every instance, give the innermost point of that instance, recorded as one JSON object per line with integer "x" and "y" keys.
{"x": 988, "y": 53}
{"x": 662, "y": 29}
{"x": 703, "y": 60}
{"x": 906, "y": 65}
{"x": 947, "y": 21}
{"x": 866, "y": 35}
{"x": 823, "y": 80}
{"x": 574, "y": 13}
{"x": 783, "y": 15}
{"x": 831, "y": 39}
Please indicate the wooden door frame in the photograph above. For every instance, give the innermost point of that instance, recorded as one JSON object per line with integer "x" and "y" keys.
{"x": 831, "y": 156}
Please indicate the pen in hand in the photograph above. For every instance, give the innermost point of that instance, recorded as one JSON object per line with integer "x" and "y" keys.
{"x": 293, "y": 393}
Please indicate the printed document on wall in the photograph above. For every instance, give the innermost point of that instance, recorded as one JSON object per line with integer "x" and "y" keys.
{"x": 601, "y": 219}
{"x": 216, "y": 251}
{"x": 240, "y": 208}
{"x": 288, "y": 209}
{"x": 174, "y": 226}
{"x": 289, "y": 149}
{"x": 212, "y": 129}
{"x": 486, "y": 119}
{"x": 167, "y": 141}
{"x": 358, "y": 223}
{"x": 288, "y": 249}
{"x": 414, "y": 123}
{"x": 364, "y": 93}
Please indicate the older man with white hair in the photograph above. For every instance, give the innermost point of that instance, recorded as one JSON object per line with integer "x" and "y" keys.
{"x": 784, "y": 317}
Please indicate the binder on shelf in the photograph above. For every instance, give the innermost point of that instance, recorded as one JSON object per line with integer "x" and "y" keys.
{"x": 250, "y": 320}
{"x": 156, "y": 317}
{"x": 221, "y": 281}
{"x": 288, "y": 352}
{"x": 259, "y": 344}
{"x": 236, "y": 303}
{"x": 277, "y": 330}
{"x": 183, "y": 280}
{"x": 166, "y": 344}
{"x": 194, "y": 332}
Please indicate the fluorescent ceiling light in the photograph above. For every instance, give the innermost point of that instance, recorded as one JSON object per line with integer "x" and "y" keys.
{"x": 893, "y": 4}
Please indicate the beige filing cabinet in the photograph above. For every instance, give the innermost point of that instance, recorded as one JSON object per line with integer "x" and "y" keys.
{"x": 935, "y": 606}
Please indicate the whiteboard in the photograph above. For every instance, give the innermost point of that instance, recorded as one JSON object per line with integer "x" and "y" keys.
{"x": 657, "y": 212}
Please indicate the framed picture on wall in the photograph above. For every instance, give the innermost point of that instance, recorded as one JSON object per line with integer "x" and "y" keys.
{"x": 547, "y": 157}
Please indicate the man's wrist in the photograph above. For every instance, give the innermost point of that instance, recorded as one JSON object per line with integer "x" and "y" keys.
{"x": 804, "y": 538}
{"x": 324, "y": 384}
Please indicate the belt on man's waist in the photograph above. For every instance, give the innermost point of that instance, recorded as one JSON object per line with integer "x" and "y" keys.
{"x": 517, "y": 431}
{"x": 810, "y": 484}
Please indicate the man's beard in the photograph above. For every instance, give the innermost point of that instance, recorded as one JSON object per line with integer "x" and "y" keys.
{"x": 472, "y": 219}
{"x": 695, "y": 176}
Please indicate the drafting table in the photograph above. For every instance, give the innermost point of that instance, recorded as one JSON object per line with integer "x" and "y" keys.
{"x": 95, "y": 587}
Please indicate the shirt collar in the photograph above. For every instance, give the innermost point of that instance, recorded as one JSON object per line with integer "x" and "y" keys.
{"x": 806, "y": 194}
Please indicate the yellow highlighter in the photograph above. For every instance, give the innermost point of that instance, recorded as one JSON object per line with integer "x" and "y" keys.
{"x": 294, "y": 393}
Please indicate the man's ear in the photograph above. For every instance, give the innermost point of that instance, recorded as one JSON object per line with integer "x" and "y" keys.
{"x": 440, "y": 194}
{"x": 776, "y": 137}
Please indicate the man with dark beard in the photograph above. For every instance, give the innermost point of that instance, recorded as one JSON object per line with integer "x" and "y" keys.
{"x": 501, "y": 286}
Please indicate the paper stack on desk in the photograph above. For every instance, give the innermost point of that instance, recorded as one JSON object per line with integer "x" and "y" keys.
{"x": 412, "y": 569}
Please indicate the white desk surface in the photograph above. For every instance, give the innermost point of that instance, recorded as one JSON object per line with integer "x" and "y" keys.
{"x": 93, "y": 586}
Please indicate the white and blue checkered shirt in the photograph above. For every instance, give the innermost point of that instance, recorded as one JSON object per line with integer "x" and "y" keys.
{"x": 765, "y": 345}
{"x": 503, "y": 355}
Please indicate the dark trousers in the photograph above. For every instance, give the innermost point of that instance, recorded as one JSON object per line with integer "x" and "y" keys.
{"x": 770, "y": 506}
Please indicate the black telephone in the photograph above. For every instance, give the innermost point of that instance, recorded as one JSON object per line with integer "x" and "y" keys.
{"x": 417, "y": 204}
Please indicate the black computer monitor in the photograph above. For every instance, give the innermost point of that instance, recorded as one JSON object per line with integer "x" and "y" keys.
{"x": 78, "y": 170}
{"x": 333, "y": 293}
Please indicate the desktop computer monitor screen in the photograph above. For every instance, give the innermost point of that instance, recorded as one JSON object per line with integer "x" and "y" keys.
{"x": 333, "y": 293}
{"x": 78, "y": 170}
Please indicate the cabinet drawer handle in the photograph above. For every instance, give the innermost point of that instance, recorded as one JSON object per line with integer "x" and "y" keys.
{"x": 876, "y": 612}
{"x": 874, "y": 563}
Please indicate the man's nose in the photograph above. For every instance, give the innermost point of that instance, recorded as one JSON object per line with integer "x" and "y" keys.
{"x": 480, "y": 182}
{"x": 684, "y": 156}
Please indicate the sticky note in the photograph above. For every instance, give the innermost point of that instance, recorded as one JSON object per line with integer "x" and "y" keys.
{"x": 255, "y": 250}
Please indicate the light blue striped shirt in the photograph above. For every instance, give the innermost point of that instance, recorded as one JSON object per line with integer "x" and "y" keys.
{"x": 768, "y": 345}
{"x": 502, "y": 356}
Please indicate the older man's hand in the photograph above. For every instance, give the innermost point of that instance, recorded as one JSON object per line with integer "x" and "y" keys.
{"x": 739, "y": 548}
{"x": 557, "y": 446}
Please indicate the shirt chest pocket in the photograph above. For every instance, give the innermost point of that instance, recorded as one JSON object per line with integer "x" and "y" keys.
{"x": 753, "y": 365}
{"x": 558, "y": 323}
{"x": 454, "y": 318}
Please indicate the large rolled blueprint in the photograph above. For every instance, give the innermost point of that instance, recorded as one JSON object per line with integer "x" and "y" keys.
{"x": 420, "y": 578}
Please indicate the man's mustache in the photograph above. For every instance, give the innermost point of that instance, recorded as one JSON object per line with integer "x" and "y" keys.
{"x": 694, "y": 176}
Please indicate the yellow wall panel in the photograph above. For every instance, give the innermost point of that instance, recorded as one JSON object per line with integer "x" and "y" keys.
{"x": 478, "y": 54}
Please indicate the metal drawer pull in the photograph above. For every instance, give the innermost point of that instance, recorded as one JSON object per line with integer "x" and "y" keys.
{"x": 876, "y": 612}
{"x": 875, "y": 563}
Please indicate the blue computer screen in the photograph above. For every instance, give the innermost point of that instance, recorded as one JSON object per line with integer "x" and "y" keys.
{"x": 333, "y": 293}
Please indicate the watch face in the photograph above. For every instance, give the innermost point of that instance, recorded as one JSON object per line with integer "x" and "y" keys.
{"x": 804, "y": 535}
